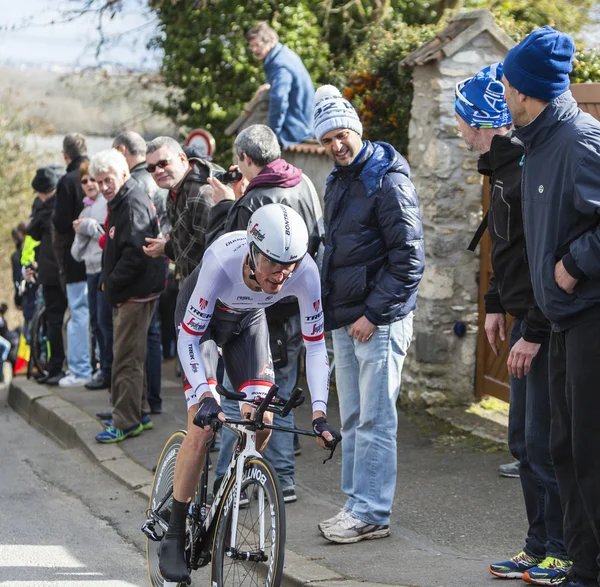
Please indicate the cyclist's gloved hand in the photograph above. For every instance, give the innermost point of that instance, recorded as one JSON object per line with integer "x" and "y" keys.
{"x": 208, "y": 413}
{"x": 320, "y": 426}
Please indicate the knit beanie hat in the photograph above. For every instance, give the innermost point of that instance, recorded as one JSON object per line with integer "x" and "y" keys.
{"x": 480, "y": 99}
{"x": 45, "y": 180}
{"x": 540, "y": 64}
{"x": 333, "y": 111}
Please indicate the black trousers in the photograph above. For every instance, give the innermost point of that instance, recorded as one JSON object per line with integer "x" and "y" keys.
{"x": 575, "y": 441}
{"x": 56, "y": 304}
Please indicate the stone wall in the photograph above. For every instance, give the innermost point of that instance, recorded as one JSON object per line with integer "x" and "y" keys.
{"x": 441, "y": 365}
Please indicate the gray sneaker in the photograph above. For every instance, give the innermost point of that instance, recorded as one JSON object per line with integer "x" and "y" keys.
{"x": 351, "y": 529}
{"x": 343, "y": 513}
{"x": 510, "y": 470}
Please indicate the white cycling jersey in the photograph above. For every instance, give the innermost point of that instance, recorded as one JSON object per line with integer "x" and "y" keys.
{"x": 220, "y": 283}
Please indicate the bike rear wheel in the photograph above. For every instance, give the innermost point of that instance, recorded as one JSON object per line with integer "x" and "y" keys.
{"x": 163, "y": 482}
{"x": 40, "y": 348}
{"x": 260, "y": 532}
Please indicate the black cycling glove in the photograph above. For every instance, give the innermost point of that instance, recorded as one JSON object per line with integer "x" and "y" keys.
{"x": 208, "y": 413}
{"x": 320, "y": 425}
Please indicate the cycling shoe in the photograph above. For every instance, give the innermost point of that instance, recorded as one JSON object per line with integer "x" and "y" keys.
{"x": 171, "y": 559}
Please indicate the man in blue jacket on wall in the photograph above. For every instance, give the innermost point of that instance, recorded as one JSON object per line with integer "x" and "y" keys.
{"x": 372, "y": 267}
{"x": 561, "y": 203}
{"x": 291, "y": 91}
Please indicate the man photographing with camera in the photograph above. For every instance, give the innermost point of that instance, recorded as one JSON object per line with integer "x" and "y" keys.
{"x": 188, "y": 203}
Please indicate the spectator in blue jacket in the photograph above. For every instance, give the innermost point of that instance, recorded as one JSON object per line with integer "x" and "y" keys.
{"x": 291, "y": 91}
{"x": 561, "y": 202}
{"x": 372, "y": 267}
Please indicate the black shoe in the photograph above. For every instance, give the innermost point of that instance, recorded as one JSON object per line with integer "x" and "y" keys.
{"x": 155, "y": 410}
{"x": 289, "y": 495}
{"x": 510, "y": 470}
{"x": 98, "y": 383}
{"x": 105, "y": 415}
{"x": 54, "y": 379}
{"x": 171, "y": 559}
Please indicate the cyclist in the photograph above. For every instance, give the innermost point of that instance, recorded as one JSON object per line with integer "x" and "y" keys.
{"x": 224, "y": 299}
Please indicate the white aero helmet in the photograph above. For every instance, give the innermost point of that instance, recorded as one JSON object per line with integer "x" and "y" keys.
{"x": 278, "y": 232}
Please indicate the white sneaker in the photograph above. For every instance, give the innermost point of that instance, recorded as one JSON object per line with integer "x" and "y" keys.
{"x": 72, "y": 380}
{"x": 343, "y": 513}
{"x": 351, "y": 529}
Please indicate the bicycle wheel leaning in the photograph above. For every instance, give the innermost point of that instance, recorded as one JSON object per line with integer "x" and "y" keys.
{"x": 40, "y": 349}
{"x": 163, "y": 483}
{"x": 257, "y": 559}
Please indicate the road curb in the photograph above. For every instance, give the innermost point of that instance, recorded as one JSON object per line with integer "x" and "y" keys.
{"x": 71, "y": 427}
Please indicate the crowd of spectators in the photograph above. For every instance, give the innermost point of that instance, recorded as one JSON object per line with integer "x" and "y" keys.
{"x": 114, "y": 238}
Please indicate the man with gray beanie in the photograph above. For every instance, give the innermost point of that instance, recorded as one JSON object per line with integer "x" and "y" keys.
{"x": 561, "y": 198}
{"x": 372, "y": 267}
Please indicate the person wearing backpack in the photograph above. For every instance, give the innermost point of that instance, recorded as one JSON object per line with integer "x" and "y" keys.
{"x": 188, "y": 204}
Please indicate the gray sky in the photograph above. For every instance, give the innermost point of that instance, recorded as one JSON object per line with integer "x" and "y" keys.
{"x": 37, "y": 41}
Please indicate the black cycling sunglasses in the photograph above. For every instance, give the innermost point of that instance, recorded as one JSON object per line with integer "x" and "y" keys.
{"x": 162, "y": 164}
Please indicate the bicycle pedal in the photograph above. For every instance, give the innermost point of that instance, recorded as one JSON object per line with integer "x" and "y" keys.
{"x": 149, "y": 530}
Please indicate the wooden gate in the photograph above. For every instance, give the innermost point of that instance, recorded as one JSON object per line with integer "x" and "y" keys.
{"x": 492, "y": 375}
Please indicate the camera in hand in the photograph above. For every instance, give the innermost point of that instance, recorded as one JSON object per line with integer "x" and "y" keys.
{"x": 227, "y": 176}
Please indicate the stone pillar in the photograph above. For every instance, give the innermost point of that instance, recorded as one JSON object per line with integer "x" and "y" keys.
{"x": 441, "y": 365}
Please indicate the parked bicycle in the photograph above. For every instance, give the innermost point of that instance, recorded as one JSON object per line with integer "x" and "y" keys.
{"x": 38, "y": 338}
{"x": 245, "y": 544}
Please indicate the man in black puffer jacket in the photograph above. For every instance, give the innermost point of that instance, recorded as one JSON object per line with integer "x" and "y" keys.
{"x": 372, "y": 267}
{"x": 484, "y": 122}
{"x": 132, "y": 283}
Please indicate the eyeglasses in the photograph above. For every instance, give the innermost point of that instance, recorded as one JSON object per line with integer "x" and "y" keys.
{"x": 85, "y": 181}
{"x": 162, "y": 164}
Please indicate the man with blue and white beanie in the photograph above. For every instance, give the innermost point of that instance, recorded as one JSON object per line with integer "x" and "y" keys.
{"x": 372, "y": 267}
{"x": 485, "y": 123}
{"x": 561, "y": 201}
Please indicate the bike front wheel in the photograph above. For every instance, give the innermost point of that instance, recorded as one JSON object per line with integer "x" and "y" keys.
{"x": 163, "y": 483}
{"x": 257, "y": 558}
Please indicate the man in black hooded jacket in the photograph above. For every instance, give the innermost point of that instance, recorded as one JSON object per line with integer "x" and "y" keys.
{"x": 544, "y": 557}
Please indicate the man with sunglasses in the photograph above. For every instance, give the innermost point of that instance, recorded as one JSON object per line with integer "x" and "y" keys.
{"x": 222, "y": 304}
{"x": 271, "y": 180}
{"x": 188, "y": 204}
{"x": 485, "y": 124}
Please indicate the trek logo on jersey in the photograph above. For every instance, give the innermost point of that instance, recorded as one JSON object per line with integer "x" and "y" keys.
{"x": 314, "y": 318}
{"x": 246, "y": 298}
{"x": 317, "y": 329}
{"x": 203, "y": 303}
{"x": 198, "y": 313}
{"x": 317, "y": 305}
{"x": 257, "y": 234}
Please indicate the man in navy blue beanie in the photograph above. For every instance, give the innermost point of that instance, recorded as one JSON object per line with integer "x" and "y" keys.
{"x": 561, "y": 200}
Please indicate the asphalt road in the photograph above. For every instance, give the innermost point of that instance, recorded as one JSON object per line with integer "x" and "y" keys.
{"x": 64, "y": 521}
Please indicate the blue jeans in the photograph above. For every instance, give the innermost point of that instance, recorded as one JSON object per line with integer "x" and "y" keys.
{"x": 529, "y": 443}
{"x": 280, "y": 449}
{"x": 368, "y": 383}
{"x": 78, "y": 330}
{"x": 153, "y": 363}
{"x": 105, "y": 324}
